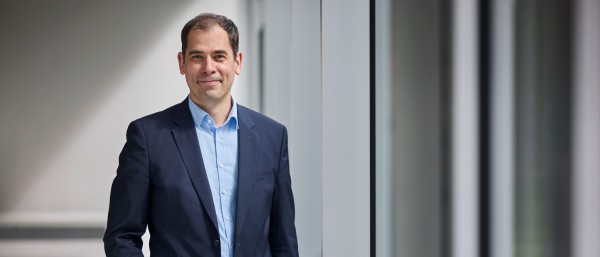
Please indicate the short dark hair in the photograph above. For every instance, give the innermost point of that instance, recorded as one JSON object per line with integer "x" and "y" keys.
{"x": 206, "y": 20}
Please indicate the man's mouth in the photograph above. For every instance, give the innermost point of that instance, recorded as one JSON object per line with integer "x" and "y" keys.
{"x": 209, "y": 82}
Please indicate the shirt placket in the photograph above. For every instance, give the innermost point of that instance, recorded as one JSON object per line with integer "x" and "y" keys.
{"x": 224, "y": 187}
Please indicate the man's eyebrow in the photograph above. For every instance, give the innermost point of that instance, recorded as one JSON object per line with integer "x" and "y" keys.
{"x": 220, "y": 52}
{"x": 195, "y": 52}
{"x": 223, "y": 52}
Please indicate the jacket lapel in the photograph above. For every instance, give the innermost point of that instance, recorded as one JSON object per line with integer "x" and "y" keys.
{"x": 189, "y": 149}
{"x": 248, "y": 146}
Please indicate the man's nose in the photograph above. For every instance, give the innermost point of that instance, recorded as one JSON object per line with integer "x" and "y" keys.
{"x": 209, "y": 66}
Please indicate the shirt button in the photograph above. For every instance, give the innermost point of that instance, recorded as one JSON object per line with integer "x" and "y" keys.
{"x": 227, "y": 218}
{"x": 223, "y": 192}
{"x": 221, "y": 166}
{"x": 216, "y": 242}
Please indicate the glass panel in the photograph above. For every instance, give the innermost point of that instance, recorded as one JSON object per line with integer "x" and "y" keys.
{"x": 412, "y": 116}
{"x": 543, "y": 128}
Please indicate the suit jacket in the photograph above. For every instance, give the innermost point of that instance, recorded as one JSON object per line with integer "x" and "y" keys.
{"x": 161, "y": 183}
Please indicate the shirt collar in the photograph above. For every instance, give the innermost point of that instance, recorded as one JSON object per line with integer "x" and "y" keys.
{"x": 200, "y": 116}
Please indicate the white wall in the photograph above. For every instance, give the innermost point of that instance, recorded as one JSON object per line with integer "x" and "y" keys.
{"x": 306, "y": 137}
{"x": 345, "y": 127}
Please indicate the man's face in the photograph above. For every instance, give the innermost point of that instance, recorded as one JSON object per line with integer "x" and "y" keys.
{"x": 209, "y": 66}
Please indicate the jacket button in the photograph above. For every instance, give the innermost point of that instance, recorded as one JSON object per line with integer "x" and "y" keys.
{"x": 216, "y": 242}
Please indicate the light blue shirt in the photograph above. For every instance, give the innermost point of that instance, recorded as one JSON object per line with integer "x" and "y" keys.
{"x": 219, "y": 147}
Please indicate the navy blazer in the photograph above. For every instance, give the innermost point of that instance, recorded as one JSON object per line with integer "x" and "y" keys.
{"x": 161, "y": 183}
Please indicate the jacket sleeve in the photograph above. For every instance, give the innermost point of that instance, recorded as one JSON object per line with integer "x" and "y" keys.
{"x": 282, "y": 234}
{"x": 128, "y": 209}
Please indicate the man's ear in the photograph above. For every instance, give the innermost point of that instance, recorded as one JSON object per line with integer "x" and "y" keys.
{"x": 181, "y": 61}
{"x": 238, "y": 63}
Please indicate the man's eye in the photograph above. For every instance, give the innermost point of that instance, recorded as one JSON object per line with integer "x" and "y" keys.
{"x": 220, "y": 57}
{"x": 196, "y": 57}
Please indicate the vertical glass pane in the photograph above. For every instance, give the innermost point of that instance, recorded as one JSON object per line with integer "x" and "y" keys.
{"x": 412, "y": 126}
{"x": 502, "y": 129}
{"x": 543, "y": 128}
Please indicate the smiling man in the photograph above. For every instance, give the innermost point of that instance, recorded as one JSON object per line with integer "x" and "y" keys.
{"x": 208, "y": 177}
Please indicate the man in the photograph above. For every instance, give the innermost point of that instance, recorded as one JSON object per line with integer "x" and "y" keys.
{"x": 207, "y": 176}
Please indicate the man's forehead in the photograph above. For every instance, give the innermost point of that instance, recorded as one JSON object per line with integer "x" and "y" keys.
{"x": 222, "y": 42}
{"x": 221, "y": 34}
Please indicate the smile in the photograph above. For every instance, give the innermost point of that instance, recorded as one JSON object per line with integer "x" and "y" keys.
{"x": 209, "y": 82}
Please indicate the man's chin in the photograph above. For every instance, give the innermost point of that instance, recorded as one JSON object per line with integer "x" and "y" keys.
{"x": 208, "y": 86}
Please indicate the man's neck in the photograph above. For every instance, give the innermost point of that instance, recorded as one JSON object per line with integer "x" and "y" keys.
{"x": 218, "y": 111}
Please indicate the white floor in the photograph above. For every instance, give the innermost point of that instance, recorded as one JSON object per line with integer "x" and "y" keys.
{"x": 52, "y": 248}
{"x": 57, "y": 248}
